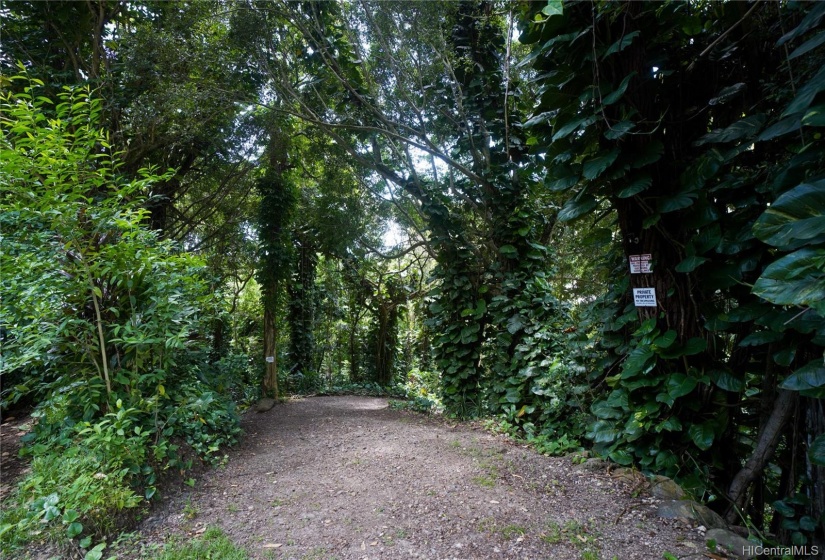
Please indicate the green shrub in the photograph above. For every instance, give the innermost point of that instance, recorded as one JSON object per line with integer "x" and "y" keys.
{"x": 79, "y": 488}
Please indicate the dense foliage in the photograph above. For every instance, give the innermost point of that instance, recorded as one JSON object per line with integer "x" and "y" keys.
{"x": 105, "y": 330}
{"x": 434, "y": 200}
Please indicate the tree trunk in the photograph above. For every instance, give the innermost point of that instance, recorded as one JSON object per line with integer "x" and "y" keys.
{"x": 766, "y": 443}
{"x": 815, "y": 426}
{"x": 270, "y": 381}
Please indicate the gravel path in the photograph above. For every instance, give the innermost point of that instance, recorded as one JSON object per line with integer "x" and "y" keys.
{"x": 346, "y": 477}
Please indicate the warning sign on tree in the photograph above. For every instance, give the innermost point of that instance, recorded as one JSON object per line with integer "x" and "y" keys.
{"x": 640, "y": 264}
{"x": 644, "y": 297}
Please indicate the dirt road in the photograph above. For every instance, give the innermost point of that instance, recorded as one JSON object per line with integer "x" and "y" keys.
{"x": 346, "y": 477}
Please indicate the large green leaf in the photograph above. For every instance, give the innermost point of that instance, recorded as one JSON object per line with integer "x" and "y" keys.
{"x": 761, "y": 337}
{"x": 567, "y": 129}
{"x": 651, "y": 152}
{"x": 615, "y": 95}
{"x": 553, "y": 8}
{"x": 676, "y": 202}
{"x": 745, "y": 128}
{"x": 809, "y": 376}
{"x": 808, "y": 45}
{"x": 691, "y": 263}
{"x": 594, "y": 167}
{"x": 796, "y": 215}
{"x": 728, "y": 93}
{"x": 576, "y": 207}
{"x": 805, "y": 95}
{"x": 638, "y": 361}
{"x": 726, "y": 380}
{"x": 817, "y": 451}
{"x": 795, "y": 279}
{"x": 636, "y": 186}
{"x": 679, "y": 385}
{"x": 702, "y": 435}
{"x": 810, "y": 21}
{"x": 786, "y": 125}
{"x": 815, "y": 116}
{"x": 620, "y": 45}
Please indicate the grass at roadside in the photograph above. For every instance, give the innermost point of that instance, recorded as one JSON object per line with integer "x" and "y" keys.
{"x": 213, "y": 544}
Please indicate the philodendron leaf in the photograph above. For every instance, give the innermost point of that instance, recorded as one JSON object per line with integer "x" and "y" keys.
{"x": 796, "y": 215}
{"x": 795, "y": 279}
{"x": 679, "y": 385}
{"x": 817, "y": 451}
{"x": 691, "y": 263}
{"x": 702, "y": 435}
{"x": 576, "y": 207}
{"x": 809, "y": 376}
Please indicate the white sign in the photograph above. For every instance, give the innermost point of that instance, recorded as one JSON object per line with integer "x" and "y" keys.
{"x": 270, "y": 359}
{"x": 640, "y": 264}
{"x": 644, "y": 297}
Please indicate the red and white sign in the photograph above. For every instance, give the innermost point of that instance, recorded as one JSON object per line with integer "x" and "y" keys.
{"x": 640, "y": 264}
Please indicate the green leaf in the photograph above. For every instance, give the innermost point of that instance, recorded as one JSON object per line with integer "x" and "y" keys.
{"x": 727, "y": 94}
{"x": 745, "y": 128}
{"x": 789, "y": 124}
{"x": 695, "y": 345}
{"x": 817, "y": 451}
{"x": 70, "y": 516}
{"x": 795, "y": 279}
{"x": 810, "y": 21}
{"x": 690, "y": 264}
{"x": 515, "y": 324}
{"x": 616, "y": 94}
{"x": 672, "y": 424}
{"x": 808, "y": 45}
{"x": 679, "y": 385}
{"x": 809, "y": 376}
{"x": 73, "y": 530}
{"x": 784, "y": 357}
{"x": 761, "y": 337}
{"x": 666, "y": 340}
{"x": 553, "y": 8}
{"x": 805, "y": 95}
{"x": 96, "y": 553}
{"x": 702, "y": 435}
{"x": 621, "y": 44}
{"x": 508, "y": 251}
{"x": 798, "y": 214}
{"x": 621, "y": 457}
{"x": 726, "y": 381}
{"x": 784, "y": 509}
{"x": 676, "y": 202}
{"x": 603, "y": 432}
{"x": 596, "y": 166}
{"x": 569, "y": 128}
{"x": 815, "y": 116}
{"x": 638, "y": 361}
{"x": 468, "y": 333}
{"x": 807, "y": 523}
{"x": 576, "y": 207}
{"x": 651, "y": 152}
{"x": 638, "y": 185}
{"x": 616, "y": 131}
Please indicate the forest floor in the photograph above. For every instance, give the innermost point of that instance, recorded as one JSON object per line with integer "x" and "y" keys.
{"x": 349, "y": 478}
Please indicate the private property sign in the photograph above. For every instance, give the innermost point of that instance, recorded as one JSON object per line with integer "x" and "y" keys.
{"x": 644, "y": 297}
{"x": 640, "y": 264}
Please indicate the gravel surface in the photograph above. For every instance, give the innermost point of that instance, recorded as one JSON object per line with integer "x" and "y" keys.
{"x": 346, "y": 477}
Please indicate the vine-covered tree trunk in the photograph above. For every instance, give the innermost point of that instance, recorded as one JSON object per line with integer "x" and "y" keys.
{"x": 270, "y": 381}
